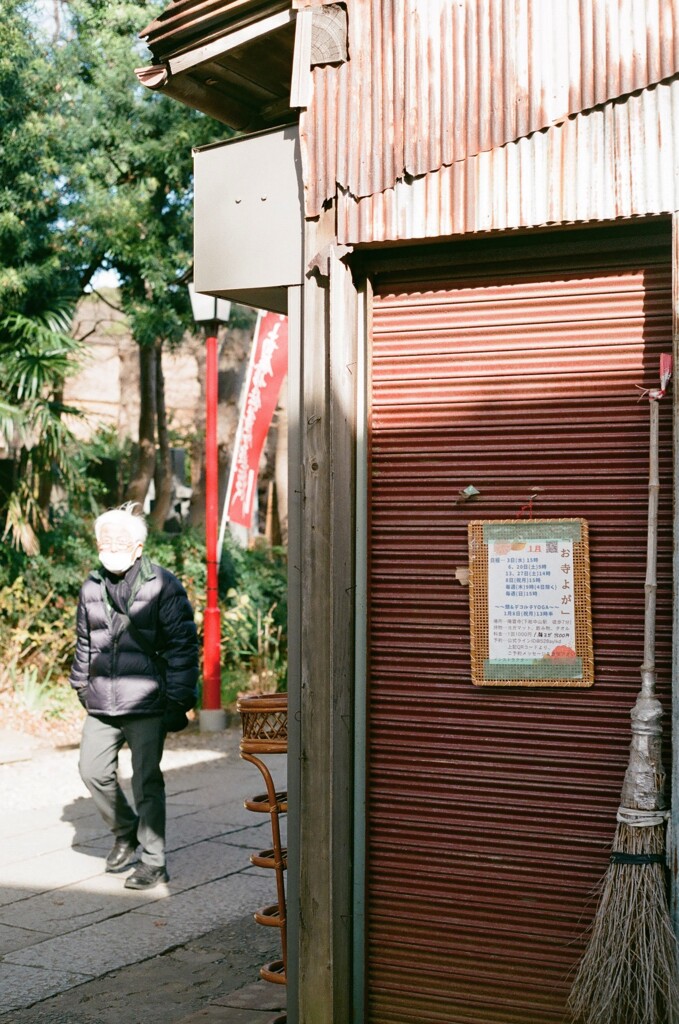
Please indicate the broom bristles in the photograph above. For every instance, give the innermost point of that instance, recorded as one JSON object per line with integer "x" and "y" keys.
{"x": 628, "y": 974}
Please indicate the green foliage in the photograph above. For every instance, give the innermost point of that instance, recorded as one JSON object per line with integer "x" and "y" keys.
{"x": 95, "y": 173}
{"x": 259, "y": 572}
{"x": 184, "y": 555}
{"x": 253, "y": 585}
{"x": 130, "y": 175}
{"x": 37, "y": 641}
{"x": 253, "y": 642}
{"x": 36, "y": 356}
{"x": 38, "y": 596}
{"x": 32, "y": 694}
{"x": 33, "y": 273}
{"x": 68, "y": 552}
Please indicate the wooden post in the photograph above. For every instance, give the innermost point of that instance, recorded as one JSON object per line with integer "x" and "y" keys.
{"x": 327, "y": 635}
{"x": 294, "y": 490}
{"x": 673, "y": 825}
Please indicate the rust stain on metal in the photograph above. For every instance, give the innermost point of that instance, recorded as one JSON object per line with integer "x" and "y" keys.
{"x": 517, "y": 372}
{"x": 432, "y": 84}
{"x": 612, "y": 162}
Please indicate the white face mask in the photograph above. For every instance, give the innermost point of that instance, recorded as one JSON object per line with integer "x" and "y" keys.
{"x": 117, "y": 561}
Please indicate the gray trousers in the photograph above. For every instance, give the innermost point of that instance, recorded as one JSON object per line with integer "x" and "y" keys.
{"x": 101, "y": 741}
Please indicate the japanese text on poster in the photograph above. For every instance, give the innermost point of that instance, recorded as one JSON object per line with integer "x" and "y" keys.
{"x": 530, "y": 600}
{"x": 530, "y": 606}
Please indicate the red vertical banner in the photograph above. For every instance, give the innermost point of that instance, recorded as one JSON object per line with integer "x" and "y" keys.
{"x": 266, "y": 372}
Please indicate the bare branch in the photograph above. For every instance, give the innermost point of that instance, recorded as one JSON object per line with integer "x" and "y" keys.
{"x": 106, "y": 302}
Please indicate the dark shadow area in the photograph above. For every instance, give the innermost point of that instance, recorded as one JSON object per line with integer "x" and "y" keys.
{"x": 78, "y": 947}
{"x": 491, "y": 810}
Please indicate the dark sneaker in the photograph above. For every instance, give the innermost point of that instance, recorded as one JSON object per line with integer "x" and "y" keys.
{"x": 146, "y": 876}
{"x": 122, "y": 854}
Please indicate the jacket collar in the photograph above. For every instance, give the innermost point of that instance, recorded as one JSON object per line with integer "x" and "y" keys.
{"x": 146, "y": 572}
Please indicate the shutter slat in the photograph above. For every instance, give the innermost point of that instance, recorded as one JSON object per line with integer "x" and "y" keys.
{"x": 491, "y": 812}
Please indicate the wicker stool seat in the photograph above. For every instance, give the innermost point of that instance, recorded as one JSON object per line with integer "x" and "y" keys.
{"x": 269, "y": 916}
{"x": 264, "y": 719}
{"x": 260, "y": 803}
{"x": 274, "y": 971}
{"x": 268, "y": 859}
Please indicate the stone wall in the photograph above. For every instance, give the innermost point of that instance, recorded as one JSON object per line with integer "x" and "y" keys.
{"x": 106, "y": 389}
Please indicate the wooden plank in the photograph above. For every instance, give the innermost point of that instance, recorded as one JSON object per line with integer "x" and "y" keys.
{"x": 294, "y": 630}
{"x": 327, "y": 635}
{"x": 343, "y": 376}
{"x": 315, "y": 878}
{"x": 227, "y": 42}
{"x": 673, "y": 826}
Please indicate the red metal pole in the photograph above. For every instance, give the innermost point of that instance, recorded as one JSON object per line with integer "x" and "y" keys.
{"x": 212, "y": 693}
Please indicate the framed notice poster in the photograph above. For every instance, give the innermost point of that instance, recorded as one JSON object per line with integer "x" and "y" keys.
{"x": 531, "y": 617}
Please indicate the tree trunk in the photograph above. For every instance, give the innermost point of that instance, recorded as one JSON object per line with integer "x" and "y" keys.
{"x": 163, "y": 477}
{"x": 46, "y": 475}
{"x": 146, "y": 457}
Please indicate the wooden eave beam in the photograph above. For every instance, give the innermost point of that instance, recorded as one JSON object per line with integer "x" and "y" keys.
{"x": 208, "y": 20}
{"x": 193, "y": 94}
{"x": 231, "y": 41}
{"x": 173, "y": 77}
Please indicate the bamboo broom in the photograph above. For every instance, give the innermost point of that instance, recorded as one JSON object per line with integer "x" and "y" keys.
{"x": 628, "y": 973}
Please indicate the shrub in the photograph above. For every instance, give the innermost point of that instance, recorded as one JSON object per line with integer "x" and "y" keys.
{"x": 38, "y": 597}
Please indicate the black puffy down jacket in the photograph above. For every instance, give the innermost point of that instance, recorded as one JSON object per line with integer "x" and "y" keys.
{"x": 112, "y": 673}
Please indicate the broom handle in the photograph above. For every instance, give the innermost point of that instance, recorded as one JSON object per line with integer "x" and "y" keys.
{"x": 651, "y": 587}
{"x": 642, "y": 790}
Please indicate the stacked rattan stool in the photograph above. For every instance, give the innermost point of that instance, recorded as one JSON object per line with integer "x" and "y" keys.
{"x": 264, "y": 718}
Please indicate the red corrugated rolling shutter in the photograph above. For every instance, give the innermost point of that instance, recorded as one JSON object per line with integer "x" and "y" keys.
{"x": 491, "y": 812}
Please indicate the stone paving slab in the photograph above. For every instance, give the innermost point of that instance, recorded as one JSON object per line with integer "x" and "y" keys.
{"x": 74, "y": 906}
{"x": 16, "y": 746}
{"x": 253, "y": 838}
{"x": 260, "y": 995}
{"x": 12, "y": 937}
{"x": 17, "y": 822}
{"x": 50, "y": 871}
{"x": 220, "y": 1015}
{"x": 22, "y": 985}
{"x": 144, "y": 931}
{"x": 192, "y": 828}
{"x": 65, "y": 910}
{"x": 166, "y": 989}
{"x": 45, "y": 840}
{"x": 214, "y": 903}
{"x": 78, "y": 948}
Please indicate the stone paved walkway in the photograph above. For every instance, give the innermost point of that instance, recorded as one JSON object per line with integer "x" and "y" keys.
{"x": 78, "y": 948}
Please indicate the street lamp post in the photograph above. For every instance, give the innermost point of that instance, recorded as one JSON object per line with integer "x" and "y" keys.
{"x": 211, "y": 312}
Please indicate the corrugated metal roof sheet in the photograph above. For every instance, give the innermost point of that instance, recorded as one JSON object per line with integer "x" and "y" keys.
{"x": 428, "y": 85}
{"x": 185, "y": 23}
{"x": 618, "y": 160}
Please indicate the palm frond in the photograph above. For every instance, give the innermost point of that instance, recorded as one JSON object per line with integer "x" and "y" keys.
{"x": 24, "y": 517}
{"x": 36, "y": 353}
{"x": 13, "y": 422}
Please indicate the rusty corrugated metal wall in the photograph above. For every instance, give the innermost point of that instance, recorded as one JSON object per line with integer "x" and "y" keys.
{"x": 428, "y": 86}
{"x": 491, "y": 813}
{"x": 616, "y": 161}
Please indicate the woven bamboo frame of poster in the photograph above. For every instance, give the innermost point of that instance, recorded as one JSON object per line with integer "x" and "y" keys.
{"x": 547, "y": 670}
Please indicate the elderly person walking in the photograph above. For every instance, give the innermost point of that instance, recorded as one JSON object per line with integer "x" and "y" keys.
{"x": 135, "y": 671}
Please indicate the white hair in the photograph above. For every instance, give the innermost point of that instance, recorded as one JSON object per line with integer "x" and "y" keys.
{"x": 134, "y": 522}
